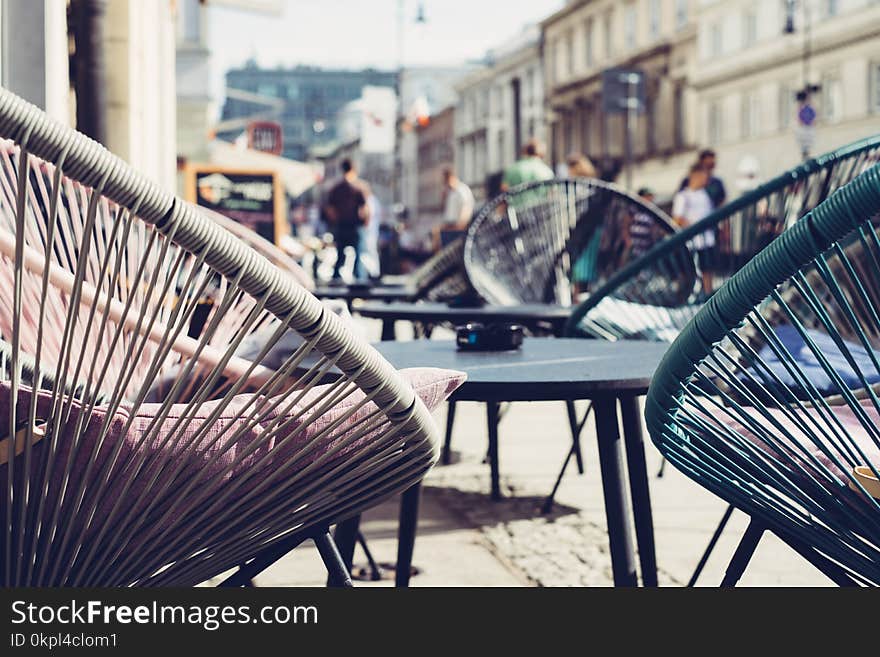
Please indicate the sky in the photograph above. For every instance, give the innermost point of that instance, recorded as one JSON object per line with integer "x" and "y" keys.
{"x": 361, "y": 33}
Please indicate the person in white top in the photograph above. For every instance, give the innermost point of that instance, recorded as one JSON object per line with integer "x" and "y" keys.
{"x": 459, "y": 205}
{"x": 690, "y": 205}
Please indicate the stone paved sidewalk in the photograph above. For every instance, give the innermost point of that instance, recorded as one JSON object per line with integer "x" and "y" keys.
{"x": 564, "y": 548}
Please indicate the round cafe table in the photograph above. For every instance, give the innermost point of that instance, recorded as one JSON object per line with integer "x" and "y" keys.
{"x": 379, "y": 292}
{"x": 529, "y": 314}
{"x": 610, "y": 374}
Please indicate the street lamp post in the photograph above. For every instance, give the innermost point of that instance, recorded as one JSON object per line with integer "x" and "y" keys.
{"x": 805, "y": 129}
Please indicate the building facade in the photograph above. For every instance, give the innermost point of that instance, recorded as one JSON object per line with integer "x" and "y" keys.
{"x": 750, "y": 68}
{"x": 436, "y": 152}
{"x": 305, "y": 100}
{"x": 658, "y": 37}
{"x": 138, "y": 41}
{"x": 500, "y": 107}
{"x": 424, "y": 90}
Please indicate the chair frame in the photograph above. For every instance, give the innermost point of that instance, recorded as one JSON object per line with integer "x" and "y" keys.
{"x": 486, "y": 212}
{"x": 814, "y": 234}
{"x": 88, "y": 163}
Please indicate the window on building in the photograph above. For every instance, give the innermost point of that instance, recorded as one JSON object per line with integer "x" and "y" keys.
{"x": 786, "y": 105}
{"x": 527, "y": 97}
{"x": 266, "y": 89}
{"x": 750, "y": 27}
{"x": 501, "y": 147}
{"x": 681, "y": 13}
{"x": 608, "y": 34}
{"x": 588, "y": 42}
{"x": 568, "y": 133}
{"x": 716, "y": 44}
{"x": 714, "y": 123}
{"x": 655, "y": 10}
{"x": 190, "y": 25}
{"x": 750, "y": 114}
{"x": 292, "y": 90}
{"x": 629, "y": 26}
{"x": 832, "y": 99}
{"x": 874, "y": 87}
{"x": 832, "y": 7}
{"x": 650, "y": 126}
{"x": 585, "y": 129}
{"x": 561, "y": 73}
{"x": 679, "y": 114}
{"x": 569, "y": 46}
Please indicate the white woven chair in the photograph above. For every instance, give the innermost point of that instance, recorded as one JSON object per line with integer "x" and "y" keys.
{"x": 109, "y": 285}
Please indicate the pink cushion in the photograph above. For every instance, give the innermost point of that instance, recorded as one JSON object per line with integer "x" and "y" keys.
{"x": 212, "y": 456}
{"x": 802, "y": 441}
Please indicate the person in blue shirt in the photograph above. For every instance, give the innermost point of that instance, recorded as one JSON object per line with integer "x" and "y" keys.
{"x": 715, "y": 186}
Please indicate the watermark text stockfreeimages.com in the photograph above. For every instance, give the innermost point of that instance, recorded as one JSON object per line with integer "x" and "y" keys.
{"x": 209, "y": 617}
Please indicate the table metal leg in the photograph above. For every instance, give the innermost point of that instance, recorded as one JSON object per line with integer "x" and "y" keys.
{"x": 388, "y": 332}
{"x": 406, "y": 534}
{"x": 446, "y": 453}
{"x": 610, "y": 461}
{"x": 638, "y": 485}
{"x": 492, "y": 409}
{"x": 345, "y": 537}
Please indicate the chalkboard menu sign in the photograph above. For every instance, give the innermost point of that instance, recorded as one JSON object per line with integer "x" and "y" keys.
{"x": 254, "y": 199}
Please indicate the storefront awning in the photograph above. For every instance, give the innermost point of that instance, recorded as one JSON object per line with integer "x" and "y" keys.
{"x": 297, "y": 177}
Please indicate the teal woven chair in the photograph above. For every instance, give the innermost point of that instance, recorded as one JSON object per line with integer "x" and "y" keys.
{"x": 547, "y": 242}
{"x": 770, "y": 396}
{"x": 657, "y": 295}
{"x": 551, "y": 241}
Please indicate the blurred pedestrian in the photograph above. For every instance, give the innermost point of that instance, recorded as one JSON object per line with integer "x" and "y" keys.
{"x": 347, "y": 210}
{"x": 529, "y": 168}
{"x": 588, "y": 231}
{"x": 690, "y": 205}
{"x": 368, "y": 263}
{"x": 714, "y": 185}
{"x": 642, "y": 227}
{"x": 459, "y": 202}
{"x": 579, "y": 166}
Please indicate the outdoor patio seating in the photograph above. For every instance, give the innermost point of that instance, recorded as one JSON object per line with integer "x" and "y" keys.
{"x": 768, "y": 397}
{"x": 108, "y": 284}
{"x": 656, "y": 296}
{"x": 547, "y": 242}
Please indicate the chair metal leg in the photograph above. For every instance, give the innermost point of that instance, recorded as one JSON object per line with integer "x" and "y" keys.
{"x": 338, "y": 574}
{"x": 827, "y": 567}
{"x": 345, "y": 537}
{"x": 662, "y": 468}
{"x": 406, "y": 534}
{"x": 744, "y": 551}
{"x": 638, "y": 485}
{"x": 576, "y": 430}
{"x": 575, "y": 434}
{"x": 712, "y": 542}
{"x": 492, "y": 412}
{"x": 547, "y": 507}
{"x": 375, "y": 570}
{"x": 446, "y": 453}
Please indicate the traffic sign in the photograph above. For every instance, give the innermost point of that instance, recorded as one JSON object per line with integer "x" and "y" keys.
{"x": 806, "y": 115}
{"x": 623, "y": 90}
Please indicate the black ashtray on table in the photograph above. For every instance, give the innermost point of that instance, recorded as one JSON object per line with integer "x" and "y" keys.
{"x": 475, "y": 336}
